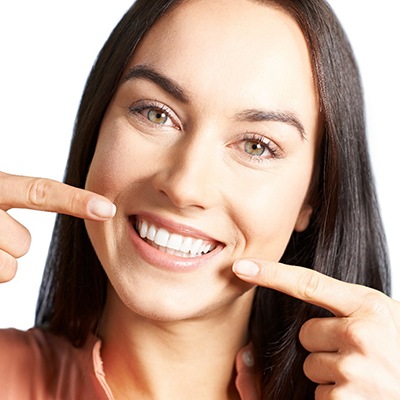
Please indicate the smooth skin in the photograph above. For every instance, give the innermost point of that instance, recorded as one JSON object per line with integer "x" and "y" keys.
{"x": 229, "y": 152}
{"x": 353, "y": 355}
{"x": 45, "y": 195}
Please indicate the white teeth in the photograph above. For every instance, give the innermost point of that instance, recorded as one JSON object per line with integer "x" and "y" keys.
{"x": 196, "y": 247}
{"x": 186, "y": 245}
{"x": 175, "y": 242}
{"x": 151, "y": 233}
{"x": 172, "y": 243}
{"x": 161, "y": 237}
{"x": 143, "y": 229}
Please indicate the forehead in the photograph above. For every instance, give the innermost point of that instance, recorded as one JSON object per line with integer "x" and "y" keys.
{"x": 239, "y": 47}
{"x": 230, "y": 27}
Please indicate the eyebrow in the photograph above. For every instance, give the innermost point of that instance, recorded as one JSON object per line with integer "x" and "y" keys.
{"x": 168, "y": 84}
{"x": 254, "y": 115}
{"x": 179, "y": 93}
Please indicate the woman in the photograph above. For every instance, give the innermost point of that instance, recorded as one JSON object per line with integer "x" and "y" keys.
{"x": 218, "y": 148}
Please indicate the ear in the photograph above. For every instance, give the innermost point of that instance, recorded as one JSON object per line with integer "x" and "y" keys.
{"x": 303, "y": 219}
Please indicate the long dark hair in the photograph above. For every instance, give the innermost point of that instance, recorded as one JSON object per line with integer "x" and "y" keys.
{"x": 345, "y": 238}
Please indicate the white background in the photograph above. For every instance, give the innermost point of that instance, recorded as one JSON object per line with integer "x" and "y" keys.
{"x": 47, "y": 49}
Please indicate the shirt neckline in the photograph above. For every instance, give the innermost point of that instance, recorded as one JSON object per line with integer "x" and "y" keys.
{"x": 246, "y": 376}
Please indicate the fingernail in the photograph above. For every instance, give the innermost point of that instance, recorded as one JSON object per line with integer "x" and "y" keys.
{"x": 248, "y": 358}
{"x": 246, "y": 268}
{"x": 101, "y": 209}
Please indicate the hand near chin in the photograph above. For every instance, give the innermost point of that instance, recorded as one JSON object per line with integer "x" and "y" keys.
{"x": 354, "y": 355}
{"x": 45, "y": 195}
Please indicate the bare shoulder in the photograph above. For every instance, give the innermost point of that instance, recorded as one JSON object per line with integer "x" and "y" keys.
{"x": 14, "y": 343}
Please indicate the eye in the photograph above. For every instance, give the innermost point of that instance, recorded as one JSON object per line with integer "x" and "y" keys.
{"x": 254, "y": 148}
{"x": 157, "y": 116}
{"x": 154, "y": 114}
{"x": 260, "y": 148}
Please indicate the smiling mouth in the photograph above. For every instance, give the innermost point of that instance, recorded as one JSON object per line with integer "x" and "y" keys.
{"x": 172, "y": 243}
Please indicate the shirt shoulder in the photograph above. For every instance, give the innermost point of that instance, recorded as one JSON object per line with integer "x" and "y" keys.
{"x": 40, "y": 365}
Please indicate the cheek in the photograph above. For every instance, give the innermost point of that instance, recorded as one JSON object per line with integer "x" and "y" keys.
{"x": 117, "y": 163}
{"x": 104, "y": 174}
{"x": 268, "y": 214}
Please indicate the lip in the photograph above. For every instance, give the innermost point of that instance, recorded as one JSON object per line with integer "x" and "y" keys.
{"x": 166, "y": 261}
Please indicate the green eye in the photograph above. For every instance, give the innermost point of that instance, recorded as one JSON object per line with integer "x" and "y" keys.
{"x": 254, "y": 148}
{"x": 157, "y": 116}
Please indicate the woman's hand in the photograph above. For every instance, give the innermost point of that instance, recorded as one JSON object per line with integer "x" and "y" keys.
{"x": 45, "y": 195}
{"x": 355, "y": 355}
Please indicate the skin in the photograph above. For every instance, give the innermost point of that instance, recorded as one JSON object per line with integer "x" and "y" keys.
{"x": 45, "y": 195}
{"x": 192, "y": 324}
{"x": 194, "y": 170}
{"x": 363, "y": 336}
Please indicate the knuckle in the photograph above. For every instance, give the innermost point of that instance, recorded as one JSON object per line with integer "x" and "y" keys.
{"x": 376, "y": 302}
{"x": 330, "y": 392}
{"x": 348, "y": 369}
{"x": 38, "y": 192}
{"x": 24, "y": 243}
{"x": 15, "y": 239}
{"x": 355, "y": 334}
{"x": 304, "y": 333}
{"x": 75, "y": 200}
{"x": 8, "y": 267}
{"x": 309, "y": 366}
{"x": 309, "y": 285}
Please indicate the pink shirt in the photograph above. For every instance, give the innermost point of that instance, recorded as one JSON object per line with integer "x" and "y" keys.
{"x": 37, "y": 365}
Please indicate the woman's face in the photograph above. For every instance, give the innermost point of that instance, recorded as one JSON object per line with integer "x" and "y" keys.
{"x": 207, "y": 147}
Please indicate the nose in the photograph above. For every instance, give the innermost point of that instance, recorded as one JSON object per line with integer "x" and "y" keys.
{"x": 187, "y": 175}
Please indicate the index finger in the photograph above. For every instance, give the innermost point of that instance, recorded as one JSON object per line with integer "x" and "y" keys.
{"x": 340, "y": 298}
{"x": 49, "y": 195}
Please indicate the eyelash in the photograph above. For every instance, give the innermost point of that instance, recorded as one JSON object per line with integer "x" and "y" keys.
{"x": 273, "y": 150}
{"x": 137, "y": 110}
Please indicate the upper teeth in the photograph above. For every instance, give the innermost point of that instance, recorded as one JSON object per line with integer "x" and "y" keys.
{"x": 172, "y": 242}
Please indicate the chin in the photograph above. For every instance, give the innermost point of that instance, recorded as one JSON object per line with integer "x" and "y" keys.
{"x": 161, "y": 300}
